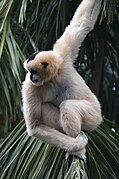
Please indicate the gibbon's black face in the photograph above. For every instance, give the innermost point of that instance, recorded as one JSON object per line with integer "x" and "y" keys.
{"x": 42, "y": 67}
{"x": 34, "y": 75}
{"x": 37, "y": 77}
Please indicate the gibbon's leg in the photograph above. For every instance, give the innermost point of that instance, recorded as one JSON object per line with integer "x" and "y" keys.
{"x": 70, "y": 119}
{"x": 79, "y": 114}
{"x": 50, "y": 116}
{"x": 83, "y": 21}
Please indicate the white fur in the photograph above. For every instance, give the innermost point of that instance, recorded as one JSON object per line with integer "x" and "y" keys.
{"x": 57, "y": 108}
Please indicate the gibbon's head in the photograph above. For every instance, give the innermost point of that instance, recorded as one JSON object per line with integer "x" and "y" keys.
{"x": 43, "y": 67}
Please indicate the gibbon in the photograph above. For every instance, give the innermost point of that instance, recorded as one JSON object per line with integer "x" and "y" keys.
{"x": 57, "y": 103}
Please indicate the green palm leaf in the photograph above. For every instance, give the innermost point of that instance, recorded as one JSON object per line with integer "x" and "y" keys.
{"x": 26, "y": 157}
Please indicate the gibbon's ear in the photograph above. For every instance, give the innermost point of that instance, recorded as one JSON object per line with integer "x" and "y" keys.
{"x": 31, "y": 57}
{"x": 45, "y": 64}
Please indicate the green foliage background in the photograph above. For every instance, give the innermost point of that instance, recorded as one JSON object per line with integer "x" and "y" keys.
{"x": 27, "y": 26}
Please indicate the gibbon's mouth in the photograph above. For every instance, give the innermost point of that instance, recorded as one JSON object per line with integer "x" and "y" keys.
{"x": 37, "y": 84}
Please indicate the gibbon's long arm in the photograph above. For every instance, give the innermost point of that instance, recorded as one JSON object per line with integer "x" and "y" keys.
{"x": 83, "y": 21}
{"x": 52, "y": 136}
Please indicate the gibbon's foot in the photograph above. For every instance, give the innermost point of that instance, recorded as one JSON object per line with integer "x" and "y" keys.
{"x": 68, "y": 158}
{"x": 81, "y": 154}
{"x": 82, "y": 141}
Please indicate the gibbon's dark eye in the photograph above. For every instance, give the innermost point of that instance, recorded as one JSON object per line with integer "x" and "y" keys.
{"x": 33, "y": 71}
{"x": 45, "y": 64}
{"x": 31, "y": 57}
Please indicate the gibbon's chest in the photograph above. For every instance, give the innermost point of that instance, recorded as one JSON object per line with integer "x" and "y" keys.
{"x": 72, "y": 86}
{"x": 59, "y": 92}
{"x": 63, "y": 92}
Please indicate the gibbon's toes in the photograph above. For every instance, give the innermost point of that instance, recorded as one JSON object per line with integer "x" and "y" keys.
{"x": 81, "y": 154}
{"x": 68, "y": 158}
{"x": 81, "y": 133}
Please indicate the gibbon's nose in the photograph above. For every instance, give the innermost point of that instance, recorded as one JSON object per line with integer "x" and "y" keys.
{"x": 34, "y": 76}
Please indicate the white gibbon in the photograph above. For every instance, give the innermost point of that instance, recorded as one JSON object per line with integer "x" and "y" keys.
{"x": 57, "y": 103}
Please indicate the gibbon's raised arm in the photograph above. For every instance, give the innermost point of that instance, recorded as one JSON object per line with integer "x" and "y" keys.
{"x": 83, "y": 21}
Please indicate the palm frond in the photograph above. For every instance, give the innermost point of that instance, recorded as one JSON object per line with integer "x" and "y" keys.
{"x": 109, "y": 9}
{"x": 5, "y": 7}
{"x": 10, "y": 76}
{"x": 27, "y": 157}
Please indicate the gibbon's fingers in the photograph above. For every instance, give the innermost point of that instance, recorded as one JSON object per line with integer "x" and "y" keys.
{"x": 88, "y": 9}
